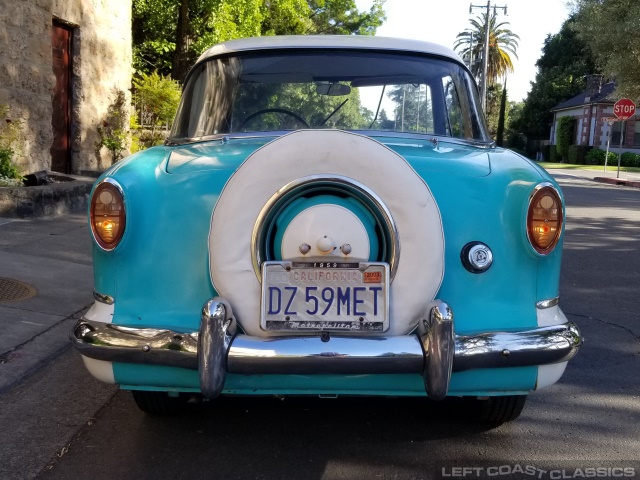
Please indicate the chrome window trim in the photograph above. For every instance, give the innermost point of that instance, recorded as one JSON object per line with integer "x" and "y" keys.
{"x": 257, "y": 237}
{"x": 124, "y": 207}
{"x": 223, "y": 138}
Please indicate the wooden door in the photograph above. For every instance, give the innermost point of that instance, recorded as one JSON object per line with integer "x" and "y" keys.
{"x": 61, "y": 120}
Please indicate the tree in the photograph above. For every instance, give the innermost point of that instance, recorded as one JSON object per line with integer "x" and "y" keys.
{"x": 502, "y": 119}
{"x": 562, "y": 67}
{"x": 169, "y": 35}
{"x": 610, "y": 29}
{"x": 494, "y": 96}
{"x": 412, "y": 110}
{"x": 564, "y": 135}
{"x": 502, "y": 44}
{"x": 341, "y": 17}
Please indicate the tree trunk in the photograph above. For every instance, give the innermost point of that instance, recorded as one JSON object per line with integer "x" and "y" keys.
{"x": 503, "y": 107}
{"x": 180, "y": 65}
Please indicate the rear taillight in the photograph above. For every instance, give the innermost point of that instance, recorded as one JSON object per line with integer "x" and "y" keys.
{"x": 107, "y": 214}
{"x": 544, "y": 219}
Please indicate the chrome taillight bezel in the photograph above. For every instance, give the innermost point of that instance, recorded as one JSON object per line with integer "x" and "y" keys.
{"x": 114, "y": 186}
{"x": 539, "y": 190}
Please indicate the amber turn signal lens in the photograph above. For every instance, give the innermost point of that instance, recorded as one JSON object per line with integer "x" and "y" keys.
{"x": 544, "y": 220}
{"x": 107, "y": 215}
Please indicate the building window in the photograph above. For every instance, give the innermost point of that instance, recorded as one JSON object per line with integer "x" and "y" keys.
{"x": 615, "y": 133}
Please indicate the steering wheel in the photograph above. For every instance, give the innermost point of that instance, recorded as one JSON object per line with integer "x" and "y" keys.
{"x": 273, "y": 110}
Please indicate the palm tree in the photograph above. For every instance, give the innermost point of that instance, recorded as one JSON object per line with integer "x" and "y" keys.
{"x": 502, "y": 44}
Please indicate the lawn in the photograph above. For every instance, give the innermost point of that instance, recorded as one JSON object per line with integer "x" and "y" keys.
{"x": 597, "y": 168}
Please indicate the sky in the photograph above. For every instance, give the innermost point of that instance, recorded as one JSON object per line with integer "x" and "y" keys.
{"x": 439, "y": 21}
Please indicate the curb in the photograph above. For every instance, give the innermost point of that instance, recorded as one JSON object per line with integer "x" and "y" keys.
{"x": 617, "y": 181}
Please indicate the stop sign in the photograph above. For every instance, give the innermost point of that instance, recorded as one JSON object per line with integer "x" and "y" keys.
{"x": 624, "y": 109}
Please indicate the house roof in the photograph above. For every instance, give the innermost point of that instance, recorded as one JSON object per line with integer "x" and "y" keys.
{"x": 605, "y": 96}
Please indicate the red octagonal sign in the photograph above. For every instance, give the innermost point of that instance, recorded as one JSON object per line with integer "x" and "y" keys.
{"x": 624, "y": 109}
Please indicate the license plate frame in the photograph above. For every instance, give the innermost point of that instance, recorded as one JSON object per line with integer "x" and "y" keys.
{"x": 298, "y": 282}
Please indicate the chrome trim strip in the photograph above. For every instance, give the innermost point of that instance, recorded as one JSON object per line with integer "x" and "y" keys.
{"x": 291, "y": 188}
{"x": 102, "y": 298}
{"x": 551, "y": 302}
{"x": 312, "y": 355}
{"x": 437, "y": 339}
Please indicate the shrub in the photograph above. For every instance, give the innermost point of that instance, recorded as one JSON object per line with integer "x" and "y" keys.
{"x": 9, "y": 136}
{"x": 553, "y": 154}
{"x": 158, "y": 98}
{"x": 564, "y": 134}
{"x": 7, "y": 168}
{"x": 577, "y": 154}
{"x": 630, "y": 159}
{"x": 10, "y": 182}
{"x": 113, "y": 131}
{"x": 595, "y": 156}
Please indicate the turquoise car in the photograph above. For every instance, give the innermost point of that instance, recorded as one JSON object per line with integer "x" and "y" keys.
{"x": 328, "y": 217}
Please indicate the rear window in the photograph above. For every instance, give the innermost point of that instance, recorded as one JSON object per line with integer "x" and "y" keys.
{"x": 349, "y": 90}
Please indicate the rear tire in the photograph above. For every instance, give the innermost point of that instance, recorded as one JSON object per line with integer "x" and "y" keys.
{"x": 497, "y": 410}
{"x": 157, "y": 403}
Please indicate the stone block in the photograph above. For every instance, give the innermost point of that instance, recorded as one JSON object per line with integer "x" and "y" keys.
{"x": 45, "y": 200}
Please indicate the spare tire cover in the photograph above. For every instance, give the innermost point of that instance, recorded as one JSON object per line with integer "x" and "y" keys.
{"x": 311, "y": 152}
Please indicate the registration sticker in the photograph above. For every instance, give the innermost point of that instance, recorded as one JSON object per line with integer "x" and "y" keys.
{"x": 372, "y": 277}
{"x": 311, "y": 296}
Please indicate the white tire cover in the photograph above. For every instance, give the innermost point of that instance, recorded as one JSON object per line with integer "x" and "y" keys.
{"x": 311, "y": 152}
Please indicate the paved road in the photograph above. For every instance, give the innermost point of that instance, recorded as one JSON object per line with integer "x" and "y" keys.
{"x": 589, "y": 419}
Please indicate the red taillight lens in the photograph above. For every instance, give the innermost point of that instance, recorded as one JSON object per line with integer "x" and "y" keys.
{"x": 544, "y": 219}
{"x": 107, "y": 215}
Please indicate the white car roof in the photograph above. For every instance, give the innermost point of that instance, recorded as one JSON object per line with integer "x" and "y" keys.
{"x": 329, "y": 41}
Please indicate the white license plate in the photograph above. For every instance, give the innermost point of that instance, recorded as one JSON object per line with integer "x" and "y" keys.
{"x": 321, "y": 296}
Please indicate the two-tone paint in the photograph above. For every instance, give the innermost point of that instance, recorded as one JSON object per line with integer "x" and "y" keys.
{"x": 158, "y": 275}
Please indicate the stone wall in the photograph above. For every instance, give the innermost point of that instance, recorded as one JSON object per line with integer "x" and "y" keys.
{"x": 26, "y": 76}
{"x": 101, "y": 62}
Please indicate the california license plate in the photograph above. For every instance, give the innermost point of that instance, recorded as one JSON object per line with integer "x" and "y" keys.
{"x": 325, "y": 296}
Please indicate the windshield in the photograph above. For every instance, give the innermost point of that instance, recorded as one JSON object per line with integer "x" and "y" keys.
{"x": 349, "y": 90}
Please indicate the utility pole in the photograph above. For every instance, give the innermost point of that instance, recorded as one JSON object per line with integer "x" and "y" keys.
{"x": 485, "y": 59}
{"x": 470, "y": 32}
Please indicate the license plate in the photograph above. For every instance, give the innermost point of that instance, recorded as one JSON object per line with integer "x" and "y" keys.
{"x": 321, "y": 296}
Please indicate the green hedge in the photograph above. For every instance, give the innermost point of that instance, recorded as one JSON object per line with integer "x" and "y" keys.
{"x": 630, "y": 160}
{"x": 564, "y": 135}
{"x": 553, "y": 154}
{"x": 577, "y": 154}
{"x": 596, "y": 156}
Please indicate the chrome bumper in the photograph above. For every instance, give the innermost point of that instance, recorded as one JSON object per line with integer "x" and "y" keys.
{"x": 434, "y": 352}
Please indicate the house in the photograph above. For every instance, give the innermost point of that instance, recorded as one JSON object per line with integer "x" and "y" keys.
{"x": 60, "y": 61}
{"x": 593, "y": 112}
